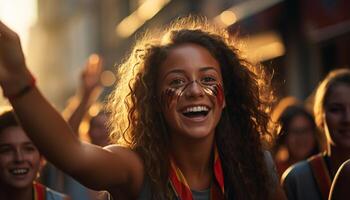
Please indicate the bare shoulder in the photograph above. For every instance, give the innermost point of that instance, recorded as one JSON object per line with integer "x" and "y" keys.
{"x": 132, "y": 156}
{"x": 343, "y": 174}
{"x": 136, "y": 166}
{"x": 346, "y": 166}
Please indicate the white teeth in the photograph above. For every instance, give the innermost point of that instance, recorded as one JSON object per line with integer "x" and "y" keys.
{"x": 19, "y": 171}
{"x": 196, "y": 109}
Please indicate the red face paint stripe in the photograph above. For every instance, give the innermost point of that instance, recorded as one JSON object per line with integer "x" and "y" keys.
{"x": 167, "y": 97}
{"x": 220, "y": 94}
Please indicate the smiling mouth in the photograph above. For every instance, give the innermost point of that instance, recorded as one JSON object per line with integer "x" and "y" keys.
{"x": 19, "y": 171}
{"x": 196, "y": 111}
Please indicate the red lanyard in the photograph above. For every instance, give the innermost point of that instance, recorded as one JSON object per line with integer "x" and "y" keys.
{"x": 39, "y": 191}
{"x": 183, "y": 191}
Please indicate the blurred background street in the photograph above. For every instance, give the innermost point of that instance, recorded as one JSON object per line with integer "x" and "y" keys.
{"x": 299, "y": 40}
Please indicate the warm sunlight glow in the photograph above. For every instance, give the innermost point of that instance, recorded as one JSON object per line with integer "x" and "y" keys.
{"x": 136, "y": 19}
{"x": 264, "y": 46}
{"x": 19, "y": 15}
{"x": 228, "y": 17}
{"x": 107, "y": 78}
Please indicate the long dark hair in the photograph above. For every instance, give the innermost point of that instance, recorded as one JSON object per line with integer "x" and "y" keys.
{"x": 138, "y": 124}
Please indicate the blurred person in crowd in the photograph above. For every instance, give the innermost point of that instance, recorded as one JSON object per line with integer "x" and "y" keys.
{"x": 85, "y": 97}
{"x": 98, "y": 131}
{"x": 85, "y": 100}
{"x": 20, "y": 164}
{"x": 297, "y": 137}
{"x": 340, "y": 185}
{"x": 312, "y": 179}
{"x": 188, "y": 111}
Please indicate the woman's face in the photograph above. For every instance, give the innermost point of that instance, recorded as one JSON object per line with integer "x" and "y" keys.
{"x": 19, "y": 159}
{"x": 190, "y": 91}
{"x": 337, "y": 116}
{"x": 300, "y": 139}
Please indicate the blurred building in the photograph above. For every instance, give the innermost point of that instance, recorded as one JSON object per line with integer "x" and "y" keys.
{"x": 298, "y": 40}
{"x": 309, "y": 38}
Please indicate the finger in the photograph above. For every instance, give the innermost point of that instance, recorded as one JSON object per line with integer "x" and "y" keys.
{"x": 5, "y": 31}
{"x": 99, "y": 66}
{"x": 94, "y": 61}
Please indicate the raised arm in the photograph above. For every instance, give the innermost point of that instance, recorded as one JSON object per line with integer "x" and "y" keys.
{"x": 87, "y": 94}
{"x": 91, "y": 165}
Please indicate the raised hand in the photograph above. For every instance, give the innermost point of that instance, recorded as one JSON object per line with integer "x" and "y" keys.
{"x": 87, "y": 95}
{"x": 90, "y": 78}
{"x": 14, "y": 75}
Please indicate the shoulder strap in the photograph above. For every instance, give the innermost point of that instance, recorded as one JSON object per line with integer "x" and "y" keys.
{"x": 321, "y": 174}
{"x": 39, "y": 191}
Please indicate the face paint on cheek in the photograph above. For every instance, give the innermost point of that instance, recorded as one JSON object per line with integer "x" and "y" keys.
{"x": 216, "y": 91}
{"x": 168, "y": 96}
{"x": 219, "y": 94}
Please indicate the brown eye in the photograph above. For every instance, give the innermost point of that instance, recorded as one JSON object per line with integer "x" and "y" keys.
{"x": 208, "y": 80}
{"x": 177, "y": 83}
{"x": 4, "y": 150}
{"x": 30, "y": 148}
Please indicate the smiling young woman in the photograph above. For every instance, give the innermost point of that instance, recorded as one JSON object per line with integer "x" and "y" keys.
{"x": 20, "y": 164}
{"x": 188, "y": 115}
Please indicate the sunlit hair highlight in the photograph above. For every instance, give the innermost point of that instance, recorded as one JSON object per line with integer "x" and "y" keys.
{"x": 137, "y": 120}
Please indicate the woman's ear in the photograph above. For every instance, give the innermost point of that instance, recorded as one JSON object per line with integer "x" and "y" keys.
{"x": 42, "y": 162}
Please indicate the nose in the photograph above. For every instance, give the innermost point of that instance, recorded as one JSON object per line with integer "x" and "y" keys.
{"x": 19, "y": 156}
{"x": 193, "y": 89}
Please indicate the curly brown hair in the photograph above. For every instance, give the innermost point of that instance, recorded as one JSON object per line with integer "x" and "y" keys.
{"x": 137, "y": 121}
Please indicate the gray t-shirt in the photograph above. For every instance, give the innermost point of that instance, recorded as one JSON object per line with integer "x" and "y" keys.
{"x": 299, "y": 182}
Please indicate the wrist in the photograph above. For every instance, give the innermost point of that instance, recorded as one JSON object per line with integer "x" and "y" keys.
{"x": 22, "y": 87}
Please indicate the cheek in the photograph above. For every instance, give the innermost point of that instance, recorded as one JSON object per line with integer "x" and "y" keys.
{"x": 5, "y": 159}
{"x": 168, "y": 97}
{"x": 35, "y": 159}
{"x": 215, "y": 92}
{"x": 220, "y": 95}
{"x": 331, "y": 120}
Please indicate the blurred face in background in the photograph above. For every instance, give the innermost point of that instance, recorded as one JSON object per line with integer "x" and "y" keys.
{"x": 337, "y": 116}
{"x": 19, "y": 159}
{"x": 300, "y": 139}
{"x": 98, "y": 131}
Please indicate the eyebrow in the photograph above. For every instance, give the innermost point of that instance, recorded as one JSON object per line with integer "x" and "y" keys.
{"x": 208, "y": 68}
{"x": 181, "y": 71}
{"x": 10, "y": 144}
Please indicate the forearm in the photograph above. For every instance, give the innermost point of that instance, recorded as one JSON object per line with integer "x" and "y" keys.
{"x": 48, "y": 130}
